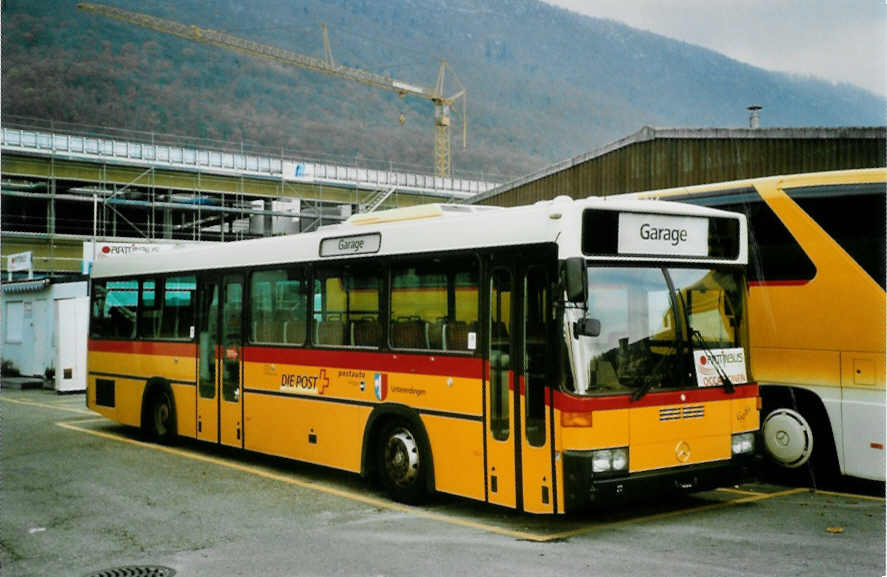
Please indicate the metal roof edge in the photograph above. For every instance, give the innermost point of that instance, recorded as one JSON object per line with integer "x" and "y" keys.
{"x": 651, "y": 133}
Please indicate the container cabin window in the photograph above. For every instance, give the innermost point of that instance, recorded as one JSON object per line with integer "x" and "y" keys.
{"x": 278, "y": 307}
{"x": 114, "y": 307}
{"x": 434, "y": 305}
{"x": 347, "y": 308}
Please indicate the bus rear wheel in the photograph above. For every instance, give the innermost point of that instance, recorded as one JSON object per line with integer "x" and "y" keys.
{"x": 401, "y": 463}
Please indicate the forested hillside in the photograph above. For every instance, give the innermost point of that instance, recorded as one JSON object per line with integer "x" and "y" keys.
{"x": 543, "y": 83}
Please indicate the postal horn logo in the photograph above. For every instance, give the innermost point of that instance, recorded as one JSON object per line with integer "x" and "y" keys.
{"x": 380, "y": 384}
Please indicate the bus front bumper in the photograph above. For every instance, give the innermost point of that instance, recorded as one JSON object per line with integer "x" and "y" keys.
{"x": 584, "y": 489}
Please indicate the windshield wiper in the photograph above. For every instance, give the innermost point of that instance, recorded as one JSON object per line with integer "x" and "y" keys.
{"x": 728, "y": 384}
{"x": 643, "y": 389}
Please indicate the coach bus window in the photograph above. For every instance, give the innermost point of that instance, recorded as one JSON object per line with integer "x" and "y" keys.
{"x": 349, "y": 308}
{"x": 278, "y": 307}
{"x": 177, "y": 316}
{"x": 500, "y": 353}
{"x": 774, "y": 254}
{"x": 434, "y": 305}
{"x": 114, "y": 309}
{"x": 853, "y": 215}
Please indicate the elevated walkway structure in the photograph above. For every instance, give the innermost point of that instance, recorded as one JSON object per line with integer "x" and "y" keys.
{"x": 61, "y": 182}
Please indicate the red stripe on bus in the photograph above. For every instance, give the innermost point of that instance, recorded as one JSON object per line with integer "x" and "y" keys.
{"x": 144, "y": 348}
{"x": 573, "y": 404}
{"x": 466, "y": 367}
{"x": 766, "y": 283}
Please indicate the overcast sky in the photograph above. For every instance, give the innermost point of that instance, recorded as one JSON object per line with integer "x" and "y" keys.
{"x": 836, "y": 40}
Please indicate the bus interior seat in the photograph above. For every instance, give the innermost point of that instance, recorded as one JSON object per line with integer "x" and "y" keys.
{"x": 331, "y": 332}
{"x": 294, "y": 331}
{"x": 456, "y": 336}
{"x": 436, "y": 336}
{"x": 409, "y": 332}
{"x": 366, "y": 332}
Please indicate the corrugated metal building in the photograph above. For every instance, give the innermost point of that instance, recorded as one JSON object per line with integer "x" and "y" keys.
{"x": 655, "y": 158}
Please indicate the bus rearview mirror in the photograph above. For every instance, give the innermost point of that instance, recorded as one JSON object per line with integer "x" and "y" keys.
{"x": 576, "y": 279}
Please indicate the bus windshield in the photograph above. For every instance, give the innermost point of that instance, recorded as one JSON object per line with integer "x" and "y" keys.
{"x": 651, "y": 322}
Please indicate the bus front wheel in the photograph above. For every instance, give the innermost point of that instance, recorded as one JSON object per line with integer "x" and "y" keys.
{"x": 798, "y": 440}
{"x": 401, "y": 462}
{"x": 788, "y": 437}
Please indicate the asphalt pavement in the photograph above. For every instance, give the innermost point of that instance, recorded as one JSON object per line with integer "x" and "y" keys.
{"x": 81, "y": 494}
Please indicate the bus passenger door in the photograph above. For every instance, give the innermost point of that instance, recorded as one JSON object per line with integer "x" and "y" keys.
{"x": 534, "y": 342}
{"x": 231, "y": 361}
{"x": 219, "y": 399}
{"x": 500, "y": 427}
{"x": 208, "y": 366}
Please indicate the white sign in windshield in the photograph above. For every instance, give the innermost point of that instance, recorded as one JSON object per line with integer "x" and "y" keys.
{"x": 661, "y": 234}
{"x": 730, "y": 361}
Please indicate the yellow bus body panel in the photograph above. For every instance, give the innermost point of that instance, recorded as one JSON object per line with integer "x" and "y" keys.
{"x": 456, "y": 445}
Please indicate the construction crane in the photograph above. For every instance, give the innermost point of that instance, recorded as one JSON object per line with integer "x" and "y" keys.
{"x": 443, "y": 105}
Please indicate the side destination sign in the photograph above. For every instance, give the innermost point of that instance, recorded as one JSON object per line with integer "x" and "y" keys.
{"x": 662, "y": 234}
{"x": 348, "y": 245}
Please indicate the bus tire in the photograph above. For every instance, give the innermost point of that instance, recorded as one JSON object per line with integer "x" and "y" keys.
{"x": 159, "y": 414}
{"x": 798, "y": 439}
{"x": 401, "y": 462}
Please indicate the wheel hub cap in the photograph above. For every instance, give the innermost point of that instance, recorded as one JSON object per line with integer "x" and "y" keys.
{"x": 788, "y": 437}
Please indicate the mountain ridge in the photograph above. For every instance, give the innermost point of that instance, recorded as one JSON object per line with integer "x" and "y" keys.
{"x": 544, "y": 83}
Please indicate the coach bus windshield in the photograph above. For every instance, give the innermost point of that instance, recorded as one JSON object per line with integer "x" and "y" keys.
{"x": 650, "y": 321}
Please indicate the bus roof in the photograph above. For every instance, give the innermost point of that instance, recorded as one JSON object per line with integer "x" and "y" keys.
{"x": 861, "y": 175}
{"x": 424, "y": 229}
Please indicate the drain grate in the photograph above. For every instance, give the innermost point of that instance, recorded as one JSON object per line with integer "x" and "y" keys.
{"x": 135, "y": 571}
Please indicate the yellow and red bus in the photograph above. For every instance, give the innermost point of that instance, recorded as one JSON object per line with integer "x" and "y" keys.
{"x": 543, "y": 358}
{"x": 816, "y": 312}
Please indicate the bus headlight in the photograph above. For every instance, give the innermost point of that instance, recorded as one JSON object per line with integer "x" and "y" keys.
{"x": 743, "y": 443}
{"x": 609, "y": 460}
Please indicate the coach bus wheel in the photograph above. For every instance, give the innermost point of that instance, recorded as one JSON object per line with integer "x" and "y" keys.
{"x": 400, "y": 463}
{"x": 161, "y": 417}
{"x": 801, "y": 443}
{"x": 788, "y": 437}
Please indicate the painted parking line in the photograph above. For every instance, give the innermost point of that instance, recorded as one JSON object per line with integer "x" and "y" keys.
{"x": 58, "y": 407}
{"x": 850, "y": 495}
{"x": 414, "y": 511}
{"x": 669, "y": 514}
{"x": 313, "y": 485}
{"x": 739, "y": 491}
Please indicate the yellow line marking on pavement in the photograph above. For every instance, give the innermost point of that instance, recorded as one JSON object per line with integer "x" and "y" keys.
{"x": 659, "y": 516}
{"x": 373, "y": 501}
{"x": 390, "y": 505}
{"x": 849, "y": 495}
{"x": 739, "y": 491}
{"x": 49, "y": 406}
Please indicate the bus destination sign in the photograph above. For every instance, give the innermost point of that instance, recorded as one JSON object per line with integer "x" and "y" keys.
{"x": 348, "y": 245}
{"x": 662, "y": 234}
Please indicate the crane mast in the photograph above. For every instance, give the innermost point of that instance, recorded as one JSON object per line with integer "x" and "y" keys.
{"x": 443, "y": 105}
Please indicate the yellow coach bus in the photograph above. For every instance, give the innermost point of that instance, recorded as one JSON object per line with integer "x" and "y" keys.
{"x": 542, "y": 358}
{"x": 816, "y": 311}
